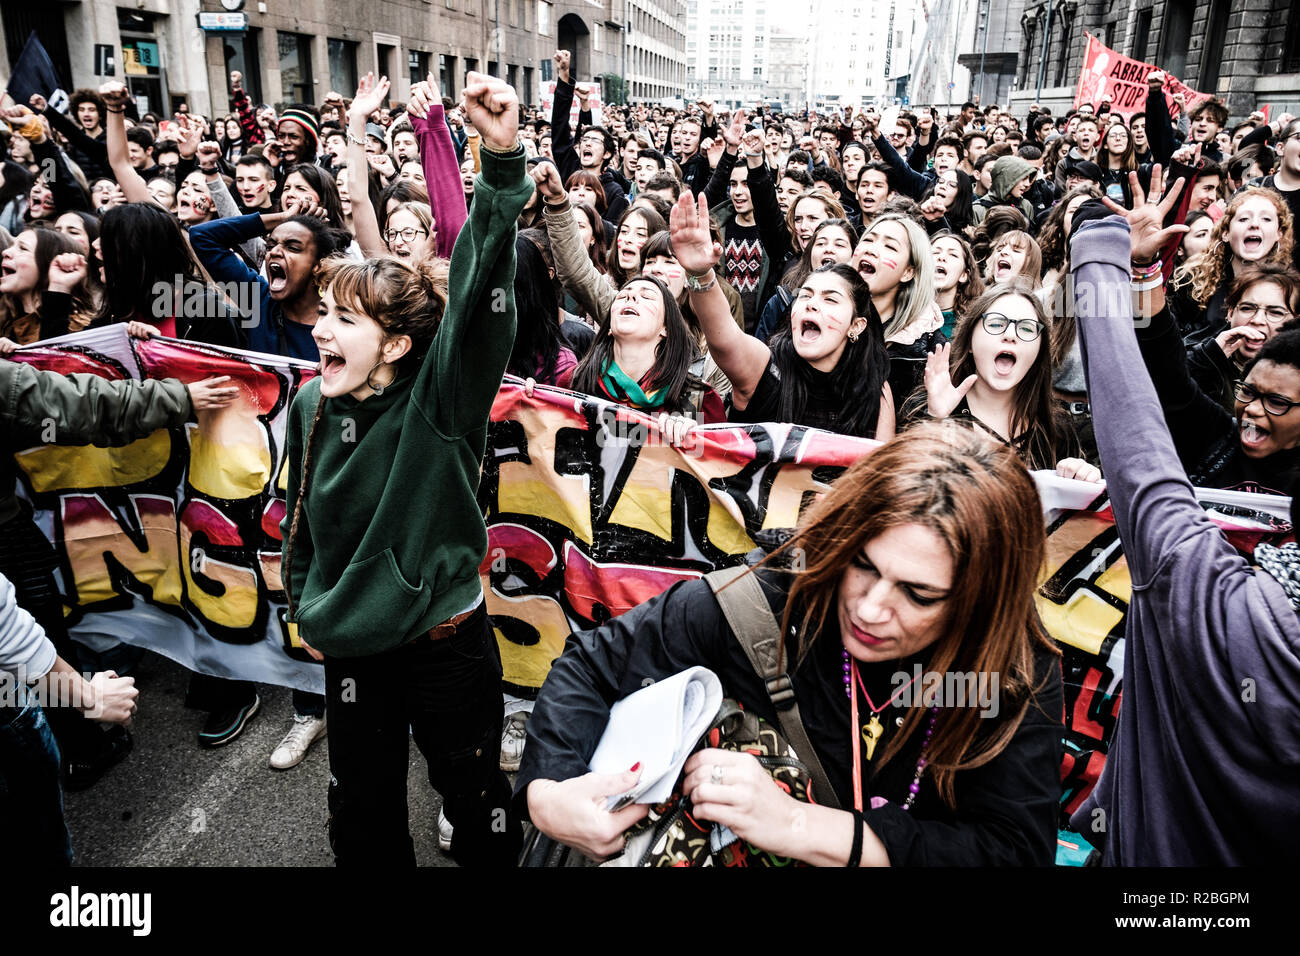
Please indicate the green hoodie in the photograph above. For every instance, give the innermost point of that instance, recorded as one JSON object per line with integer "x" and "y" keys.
{"x": 390, "y": 537}
{"x": 1007, "y": 171}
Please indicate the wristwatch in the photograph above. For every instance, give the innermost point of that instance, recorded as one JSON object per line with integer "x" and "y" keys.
{"x": 693, "y": 282}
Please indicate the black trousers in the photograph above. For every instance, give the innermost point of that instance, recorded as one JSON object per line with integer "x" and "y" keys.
{"x": 447, "y": 695}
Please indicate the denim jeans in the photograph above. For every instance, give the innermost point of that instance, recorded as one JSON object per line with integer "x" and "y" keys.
{"x": 31, "y": 803}
{"x": 447, "y": 695}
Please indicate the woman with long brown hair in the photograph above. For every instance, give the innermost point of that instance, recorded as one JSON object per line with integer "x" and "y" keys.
{"x": 1256, "y": 227}
{"x": 919, "y": 565}
{"x": 1001, "y": 363}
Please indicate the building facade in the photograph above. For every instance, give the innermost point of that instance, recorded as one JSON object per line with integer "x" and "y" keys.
{"x": 298, "y": 50}
{"x": 1246, "y": 52}
{"x": 656, "y": 49}
{"x": 741, "y": 52}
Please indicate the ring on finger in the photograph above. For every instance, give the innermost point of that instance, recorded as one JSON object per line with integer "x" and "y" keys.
{"x": 716, "y": 776}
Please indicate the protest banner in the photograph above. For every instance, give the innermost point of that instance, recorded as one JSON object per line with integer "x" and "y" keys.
{"x": 1107, "y": 72}
{"x": 173, "y": 542}
{"x": 597, "y": 108}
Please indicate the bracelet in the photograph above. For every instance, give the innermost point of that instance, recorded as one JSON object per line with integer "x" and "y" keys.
{"x": 693, "y": 282}
{"x": 354, "y": 139}
{"x": 111, "y": 110}
{"x": 499, "y": 152}
{"x": 859, "y": 828}
{"x": 1148, "y": 285}
{"x": 1143, "y": 270}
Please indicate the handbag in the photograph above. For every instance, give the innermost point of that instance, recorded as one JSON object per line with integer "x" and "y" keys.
{"x": 670, "y": 836}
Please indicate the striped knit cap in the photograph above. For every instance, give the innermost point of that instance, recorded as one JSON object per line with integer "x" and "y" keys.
{"x": 305, "y": 120}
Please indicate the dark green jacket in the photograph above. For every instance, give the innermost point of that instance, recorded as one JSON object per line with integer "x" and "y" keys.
{"x": 390, "y": 537}
{"x": 42, "y": 408}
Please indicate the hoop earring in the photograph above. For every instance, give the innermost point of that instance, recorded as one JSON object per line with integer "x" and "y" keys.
{"x": 377, "y": 389}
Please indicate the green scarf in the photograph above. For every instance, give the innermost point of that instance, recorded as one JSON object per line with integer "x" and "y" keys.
{"x": 617, "y": 382}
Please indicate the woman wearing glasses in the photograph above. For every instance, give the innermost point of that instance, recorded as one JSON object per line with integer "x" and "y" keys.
{"x": 412, "y": 231}
{"x": 1003, "y": 381}
{"x": 1262, "y": 299}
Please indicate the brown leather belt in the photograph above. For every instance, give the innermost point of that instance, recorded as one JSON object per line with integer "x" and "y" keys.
{"x": 449, "y": 627}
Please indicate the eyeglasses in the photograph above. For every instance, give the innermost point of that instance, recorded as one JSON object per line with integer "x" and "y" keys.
{"x": 1274, "y": 313}
{"x": 995, "y": 323}
{"x": 407, "y": 235}
{"x": 1274, "y": 405}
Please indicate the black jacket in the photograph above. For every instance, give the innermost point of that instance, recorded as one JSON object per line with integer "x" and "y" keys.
{"x": 1007, "y": 809}
{"x": 1204, "y": 432}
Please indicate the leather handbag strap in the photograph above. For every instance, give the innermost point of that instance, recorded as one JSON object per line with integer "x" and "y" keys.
{"x": 756, "y": 629}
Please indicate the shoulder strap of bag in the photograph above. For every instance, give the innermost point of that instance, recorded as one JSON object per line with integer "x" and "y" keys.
{"x": 746, "y": 609}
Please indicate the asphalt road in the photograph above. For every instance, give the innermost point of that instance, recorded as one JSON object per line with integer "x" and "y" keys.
{"x": 170, "y": 803}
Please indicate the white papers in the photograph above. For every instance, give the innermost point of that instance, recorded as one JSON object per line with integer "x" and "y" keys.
{"x": 658, "y": 727}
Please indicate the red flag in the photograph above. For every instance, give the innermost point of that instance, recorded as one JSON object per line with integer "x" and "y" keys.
{"x": 1108, "y": 73}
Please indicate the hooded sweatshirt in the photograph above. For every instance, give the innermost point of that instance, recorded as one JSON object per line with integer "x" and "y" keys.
{"x": 390, "y": 535}
{"x": 1007, "y": 171}
{"x": 1204, "y": 767}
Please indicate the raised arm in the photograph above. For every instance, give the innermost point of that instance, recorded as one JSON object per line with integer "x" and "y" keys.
{"x": 460, "y": 379}
{"x": 1155, "y": 508}
{"x": 910, "y": 182}
{"x": 441, "y": 167}
{"x": 365, "y": 223}
{"x": 1160, "y": 128}
{"x": 741, "y": 357}
{"x": 566, "y": 157}
{"x": 133, "y": 186}
{"x": 72, "y": 132}
{"x": 573, "y": 267}
{"x": 252, "y": 131}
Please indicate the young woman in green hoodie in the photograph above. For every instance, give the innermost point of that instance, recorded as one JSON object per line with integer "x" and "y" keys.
{"x": 383, "y": 536}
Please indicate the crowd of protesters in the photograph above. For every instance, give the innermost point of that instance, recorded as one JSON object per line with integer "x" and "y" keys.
{"x": 863, "y": 271}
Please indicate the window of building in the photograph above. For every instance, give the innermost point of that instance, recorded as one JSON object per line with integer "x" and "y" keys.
{"x": 241, "y": 53}
{"x": 1212, "y": 50}
{"x": 1141, "y": 32}
{"x": 343, "y": 66}
{"x": 417, "y": 63}
{"x": 1176, "y": 36}
{"x": 295, "y": 67}
{"x": 447, "y": 74}
{"x": 1291, "y": 46}
{"x": 543, "y": 18}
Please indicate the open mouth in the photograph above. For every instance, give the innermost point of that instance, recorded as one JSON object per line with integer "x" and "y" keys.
{"x": 866, "y": 268}
{"x": 331, "y": 363}
{"x": 809, "y": 331}
{"x": 1252, "y": 435}
{"x": 827, "y": 260}
{"x": 1002, "y": 268}
{"x": 940, "y": 271}
{"x": 1253, "y": 243}
{"x": 1004, "y": 363}
{"x": 276, "y": 276}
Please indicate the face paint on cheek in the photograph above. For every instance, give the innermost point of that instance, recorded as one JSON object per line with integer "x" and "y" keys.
{"x": 889, "y": 263}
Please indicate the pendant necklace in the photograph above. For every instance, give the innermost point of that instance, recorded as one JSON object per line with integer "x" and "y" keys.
{"x": 869, "y": 734}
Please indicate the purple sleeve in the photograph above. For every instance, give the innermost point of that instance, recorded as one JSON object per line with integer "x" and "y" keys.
{"x": 1155, "y": 508}
{"x": 441, "y": 177}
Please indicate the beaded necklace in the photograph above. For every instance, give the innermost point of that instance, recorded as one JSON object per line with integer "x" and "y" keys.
{"x": 872, "y": 732}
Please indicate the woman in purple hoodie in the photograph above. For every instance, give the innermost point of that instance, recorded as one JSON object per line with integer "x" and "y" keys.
{"x": 1204, "y": 768}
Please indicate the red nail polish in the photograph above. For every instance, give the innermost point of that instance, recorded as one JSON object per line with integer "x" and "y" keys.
{"x": 635, "y": 767}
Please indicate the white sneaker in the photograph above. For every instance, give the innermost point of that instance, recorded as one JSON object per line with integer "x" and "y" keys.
{"x": 444, "y": 832}
{"x": 513, "y": 735}
{"x": 304, "y": 732}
